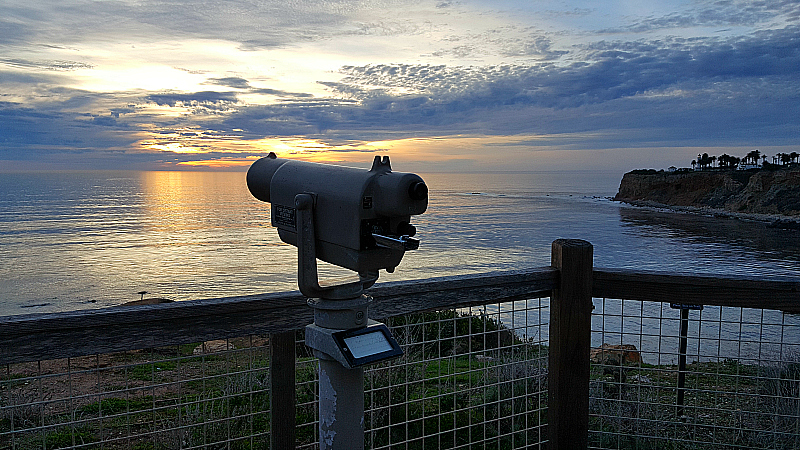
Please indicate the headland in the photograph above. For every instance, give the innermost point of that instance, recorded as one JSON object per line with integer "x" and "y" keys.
{"x": 764, "y": 194}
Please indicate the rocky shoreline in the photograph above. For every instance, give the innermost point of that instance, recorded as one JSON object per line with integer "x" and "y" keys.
{"x": 772, "y": 220}
{"x": 769, "y": 196}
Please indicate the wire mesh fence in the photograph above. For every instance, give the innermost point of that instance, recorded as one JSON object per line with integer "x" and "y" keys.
{"x": 468, "y": 378}
{"x": 691, "y": 377}
{"x": 475, "y": 377}
{"x": 207, "y": 395}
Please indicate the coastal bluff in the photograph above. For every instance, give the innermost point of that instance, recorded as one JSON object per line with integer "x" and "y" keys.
{"x": 773, "y": 192}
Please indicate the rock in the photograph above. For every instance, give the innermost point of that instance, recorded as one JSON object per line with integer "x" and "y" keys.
{"x": 643, "y": 379}
{"x": 615, "y": 355}
{"x": 147, "y": 301}
{"x": 784, "y": 224}
{"x": 215, "y": 346}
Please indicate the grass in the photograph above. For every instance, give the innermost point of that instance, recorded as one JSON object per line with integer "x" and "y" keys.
{"x": 65, "y": 438}
{"x": 147, "y": 372}
{"x": 466, "y": 381}
{"x": 727, "y": 404}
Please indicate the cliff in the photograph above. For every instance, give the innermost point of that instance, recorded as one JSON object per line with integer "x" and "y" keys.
{"x": 752, "y": 191}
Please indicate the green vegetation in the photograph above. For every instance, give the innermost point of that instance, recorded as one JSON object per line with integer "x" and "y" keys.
{"x": 463, "y": 379}
{"x": 147, "y": 372}
{"x": 466, "y": 379}
{"x": 152, "y": 399}
{"x": 65, "y": 438}
{"x": 727, "y": 404}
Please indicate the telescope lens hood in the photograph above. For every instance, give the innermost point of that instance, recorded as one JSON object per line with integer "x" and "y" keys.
{"x": 259, "y": 176}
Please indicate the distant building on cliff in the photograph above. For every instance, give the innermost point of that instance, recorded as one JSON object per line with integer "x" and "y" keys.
{"x": 748, "y": 165}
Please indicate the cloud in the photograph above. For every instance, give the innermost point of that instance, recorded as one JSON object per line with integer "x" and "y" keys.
{"x": 31, "y": 134}
{"x": 508, "y": 41}
{"x": 671, "y": 92}
{"x": 24, "y": 80}
{"x": 12, "y": 32}
{"x": 281, "y": 93}
{"x": 206, "y": 99}
{"x": 244, "y": 85}
{"x": 681, "y": 90}
{"x": 232, "y": 82}
{"x": 617, "y": 70}
{"x": 45, "y": 65}
{"x": 719, "y": 13}
{"x": 254, "y": 24}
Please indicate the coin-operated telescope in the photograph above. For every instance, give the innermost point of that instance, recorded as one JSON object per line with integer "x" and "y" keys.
{"x": 359, "y": 220}
{"x": 352, "y": 218}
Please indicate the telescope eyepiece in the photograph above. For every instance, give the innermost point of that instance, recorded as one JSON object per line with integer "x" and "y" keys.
{"x": 418, "y": 190}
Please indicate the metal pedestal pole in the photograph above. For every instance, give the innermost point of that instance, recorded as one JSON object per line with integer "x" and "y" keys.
{"x": 341, "y": 406}
{"x": 341, "y": 390}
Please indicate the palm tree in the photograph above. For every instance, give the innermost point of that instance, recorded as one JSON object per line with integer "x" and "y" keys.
{"x": 794, "y": 156}
{"x": 754, "y": 156}
{"x": 728, "y": 161}
{"x": 785, "y": 158}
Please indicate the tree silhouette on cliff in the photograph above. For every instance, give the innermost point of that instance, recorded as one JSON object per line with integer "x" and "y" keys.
{"x": 753, "y": 156}
{"x": 725, "y": 161}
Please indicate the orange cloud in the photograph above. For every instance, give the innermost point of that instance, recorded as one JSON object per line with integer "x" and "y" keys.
{"x": 218, "y": 163}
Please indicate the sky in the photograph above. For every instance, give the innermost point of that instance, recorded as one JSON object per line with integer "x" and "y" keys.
{"x": 439, "y": 85}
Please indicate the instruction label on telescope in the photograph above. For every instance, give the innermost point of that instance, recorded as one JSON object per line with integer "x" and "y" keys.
{"x": 284, "y": 216}
{"x": 367, "y": 345}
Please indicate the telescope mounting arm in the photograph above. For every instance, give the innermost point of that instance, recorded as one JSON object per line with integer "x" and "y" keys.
{"x": 307, "y": 276}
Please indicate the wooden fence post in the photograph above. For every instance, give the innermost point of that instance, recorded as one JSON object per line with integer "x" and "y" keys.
{"x": 570, "y": 339}
{"x": 282, "y": 390}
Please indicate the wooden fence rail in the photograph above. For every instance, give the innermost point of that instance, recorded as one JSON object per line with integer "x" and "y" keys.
{"x": 36, "y": 337}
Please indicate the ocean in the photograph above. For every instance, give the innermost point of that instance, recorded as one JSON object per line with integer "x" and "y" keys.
{"x": 83, "y": 240}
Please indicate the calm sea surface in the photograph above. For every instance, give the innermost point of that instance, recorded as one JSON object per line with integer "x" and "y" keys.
{"x": 79, "y": 240}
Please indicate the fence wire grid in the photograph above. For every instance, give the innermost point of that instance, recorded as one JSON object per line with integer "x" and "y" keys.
{"x": 207, "y": 395}
{"x": 470, "y": 378}
{"x": 738, "y": 386}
